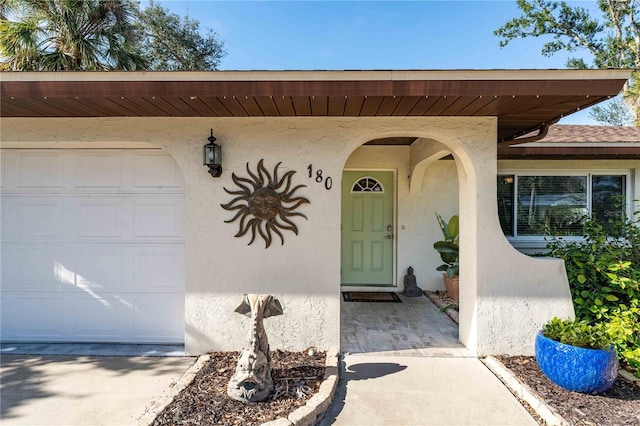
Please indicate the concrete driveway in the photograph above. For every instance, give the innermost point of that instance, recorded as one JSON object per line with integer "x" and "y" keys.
{"x": 83, "y": 390}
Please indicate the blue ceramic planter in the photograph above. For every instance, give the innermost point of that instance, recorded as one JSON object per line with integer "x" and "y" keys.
{"x": 576, "y": 369}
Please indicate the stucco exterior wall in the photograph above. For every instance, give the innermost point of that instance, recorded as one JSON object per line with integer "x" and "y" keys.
{"x": 505, "y": 296}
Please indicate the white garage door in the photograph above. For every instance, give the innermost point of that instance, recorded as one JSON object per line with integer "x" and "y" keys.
{"x": 92, "y": 246}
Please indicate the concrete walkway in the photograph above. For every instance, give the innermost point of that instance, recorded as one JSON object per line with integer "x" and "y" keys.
{"x": 397, "y": 391}
{"x": 404, "y": 366}
{"x": 83, "y": 390}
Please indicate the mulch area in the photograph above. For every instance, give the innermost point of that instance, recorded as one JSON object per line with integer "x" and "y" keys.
{"x": 296, "y": 375}
{"x": 620, "y": 405}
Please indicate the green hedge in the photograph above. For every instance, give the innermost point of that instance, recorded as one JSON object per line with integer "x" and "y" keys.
{"x": 604, "y": 276}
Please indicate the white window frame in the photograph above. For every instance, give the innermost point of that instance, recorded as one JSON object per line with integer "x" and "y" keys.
{"x": 541, "y": 240}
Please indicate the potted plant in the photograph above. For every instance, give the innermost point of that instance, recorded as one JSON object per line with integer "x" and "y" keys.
{"x": 577, "y": 356}
{"x": 449, "y": 253}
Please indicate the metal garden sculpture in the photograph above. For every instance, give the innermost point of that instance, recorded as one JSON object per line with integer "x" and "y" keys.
{"x": 252, "y": 380}
{"x": 265, "y": 203}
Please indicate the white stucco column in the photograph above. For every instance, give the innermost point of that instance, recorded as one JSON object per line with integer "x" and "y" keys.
{"x": 505, "y": 296}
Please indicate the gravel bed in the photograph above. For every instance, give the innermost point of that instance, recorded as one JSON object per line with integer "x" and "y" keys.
{"x": 619, "y": 406}
{"x": 296, "y": 376}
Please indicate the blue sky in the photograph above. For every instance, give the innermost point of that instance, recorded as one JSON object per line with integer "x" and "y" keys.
{"x": 339, "y": 35}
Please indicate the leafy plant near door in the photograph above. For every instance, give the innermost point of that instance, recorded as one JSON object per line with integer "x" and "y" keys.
{"x": 604, "y": 276}
{"x": 449, "y": 250}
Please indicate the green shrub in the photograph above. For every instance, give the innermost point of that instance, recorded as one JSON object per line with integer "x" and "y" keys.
{"x": 623, "y": 329}
{"x": 577, "y": 333}
{"x": 604, "y": 275}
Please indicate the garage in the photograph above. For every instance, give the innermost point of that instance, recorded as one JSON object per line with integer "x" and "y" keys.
{"x": 92, "y": 246}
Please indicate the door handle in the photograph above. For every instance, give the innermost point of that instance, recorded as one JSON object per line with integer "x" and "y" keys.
{"x": 388, "y": 237}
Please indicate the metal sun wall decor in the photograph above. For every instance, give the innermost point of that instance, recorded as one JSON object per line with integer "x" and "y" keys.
{"x": 265, "y": 203}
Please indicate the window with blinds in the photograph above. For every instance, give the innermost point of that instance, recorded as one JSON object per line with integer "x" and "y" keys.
{"x": 543, "y": 205}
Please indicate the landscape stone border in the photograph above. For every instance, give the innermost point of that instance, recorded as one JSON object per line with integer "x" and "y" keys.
{"x": 318, "y": 404}
{"x": 158, "y": 404}
{"x": 524, "y": 392}
{"x": 303, "y": 416}
{"x": 451, "y": 313}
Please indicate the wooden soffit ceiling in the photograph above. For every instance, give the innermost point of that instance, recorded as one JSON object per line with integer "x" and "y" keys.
{"x": 523, "y": 100}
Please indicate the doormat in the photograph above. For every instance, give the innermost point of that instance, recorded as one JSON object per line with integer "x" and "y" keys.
{"x": 361, "y": 296}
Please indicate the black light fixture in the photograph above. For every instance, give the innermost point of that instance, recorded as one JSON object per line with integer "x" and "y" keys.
{"x": 213, "y": 156}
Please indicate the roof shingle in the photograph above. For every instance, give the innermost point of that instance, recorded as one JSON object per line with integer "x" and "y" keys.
{"x": 591, "y": 134}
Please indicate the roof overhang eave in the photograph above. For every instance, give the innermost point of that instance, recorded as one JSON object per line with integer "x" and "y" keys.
{"x": 522, "y": 100}
{"x": 321, "y": 75}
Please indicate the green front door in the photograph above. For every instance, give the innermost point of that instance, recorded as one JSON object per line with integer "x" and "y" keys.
{"x": 367, "y": 228}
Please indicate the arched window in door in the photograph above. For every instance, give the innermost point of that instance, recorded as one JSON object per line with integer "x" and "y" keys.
{"x": 367, "y": 184}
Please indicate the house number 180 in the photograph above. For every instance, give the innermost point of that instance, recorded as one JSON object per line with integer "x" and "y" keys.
{"x": 328, "y": 182}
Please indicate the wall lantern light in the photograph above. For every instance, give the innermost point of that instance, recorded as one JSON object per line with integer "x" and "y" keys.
{"x": 213, "y": 156}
